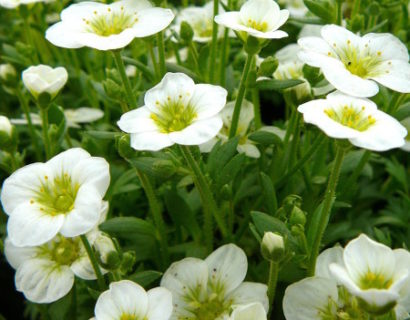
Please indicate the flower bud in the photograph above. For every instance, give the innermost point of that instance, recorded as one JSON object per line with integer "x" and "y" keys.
{"x": 6, "y": 126}
{"x": 45, "y": 81}
{"x": 164, "y": 168}
{"x": 186, "y": 33}
{"x": 272, "y": 247}
{"x": 124, "y": 147}
{"x": 7, "y": 73}
{"x": 297, "y": 217}
{"x": 128, "y": 261}
{"x": 7, "y": 136}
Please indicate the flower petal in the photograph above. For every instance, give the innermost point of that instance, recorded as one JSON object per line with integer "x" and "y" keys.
{"x": 17, "y": 255}
{"x": 137, "y": 120}
{"x": 152, "y": 141}
{"x": 152, "y": 21}
{"x": 250, "y": 292}
{"x": 395, "y": 75}
{"x": 254, "y": 311}
{"x": 159, "y": 304}
{"x": 208, "y": 100}
{"x": 325, "y": 259}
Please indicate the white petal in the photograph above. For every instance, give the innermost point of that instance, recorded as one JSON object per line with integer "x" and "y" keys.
{"x": 276, "y": 34}
{"x": 198, "y": 132}
{"x": 249, "y": 292}
{"x": 29, "y": 226}
{"x": 254, "y": 311}
{"x": 395, "y": 75}
{"x": 362, "y": 255}
{"x": 83, "y": 115}
{"x": 336, "y": 73}
{"x": 207, "y": 146}
{"x": 115, "y": 41}
{"x": 66, "y": 161}
{"x": 304, "y": 299}
{"x": 208, "y": 100}
{"x": 86, "y": 212}
{"x": 152, "y": 21}
{"x": 93, "y": 171}
{"x": 230, "y": 20}
{"x": 152, "y": 141}
{"x": 159, "y": 304}
{"x": 43, "y": 282}
{"x": 390, "y": 47}
{"x": 315, "y": 50}
{"x": 327, "y": 257}
{"x": 227, "y": 266}
{"x": 249, "y": 149}
{"x": 339, "y": 35}
{"x": 138, "y": 120}
{"x": 83, "y": 268}
{"x": 173, "y": 87}
{"x": 17, "y": 255}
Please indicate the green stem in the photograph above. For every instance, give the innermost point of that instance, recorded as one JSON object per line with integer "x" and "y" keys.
{"x": 395, "y": 102}
{"x": 241, "y": 94}
{"x": 46, "y": 138}
{"x": 94, "y": 263}
{"x": 156, "y": 215}
{"x": 295, "y": 140}
{"x": 194, "y": 55}
{"x": 256, "y": 108}
{"x": 154, "y": 61}
{"x": 208, "y": 201}
{"x": 339, "y": 12}
{"x": 326, "y": 210}
{"x": 222, "y": 66}
{"x": 29, "y": 39}
{"x": 13, "y": 160}
{"x": 356, "y": 7}
{"x": 214, "y": 44}
{"x": 32, "y": 132}
{"x": 161, "y": 54}
{"x": 272, "y": 282}
{"x": 127, "y": 86}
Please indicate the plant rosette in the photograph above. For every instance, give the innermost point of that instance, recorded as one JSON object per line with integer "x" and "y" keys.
{"x": 128, "y": 300}
{"x": 245, "y": 119}
{"x": 63, "y": 195}
{"x": 46, "y": 273}
{"x": 44, "y": 82}
{"x": 353, "y": 64}
{"x": 356, "y": 119}
{"x": 209, "y": 289}
{"x": 107, "y": 26}
{"x": 176, "y": 111}
{"x": 258, "y": 18}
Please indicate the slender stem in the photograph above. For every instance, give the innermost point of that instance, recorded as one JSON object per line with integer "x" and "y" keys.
{"x": 29, "y": 39}
{"x": 222, "y": 66}
{"x": 290, "y": 126}
{"x": 194, "y": 55}
{"x": 356, "y": 172}
{"x": 156, "y": 215}
{"x": 356, "y": 7}
{"x": 26, "y": 111}
{"x": 272, "y": 282}
{"x": 94, "y": 263}
{"x": 327, "y": 206}
{"x": 339, "y": 12}
{"x": 208, "y": 201}
{"x": 154, "y": 60}
{"x": 214, "y": 44}
{"x": 161, "y": 54}
{"x": 241, "y": 94}
{"x": 46, "y": 138}
{"x": 13, "y": 160}
{"x": 127, "y": 86}
{"x": 295, "y": 140}
{"x": 256, "y": 108}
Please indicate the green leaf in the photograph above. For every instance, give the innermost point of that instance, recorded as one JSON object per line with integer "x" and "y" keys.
{"x": 104, "y": 135}
{"x": 128, "y": 225}
{"x": 265, "y": 138}
{"x": 60, "y": 308}
{"x": 321, "y": 8}
{"x": 269, "y": 193}
{"x": 403, "y": 112}
{"x": 274, "y": 84}
{"x": 264, "y": 223}
{"x": 220, "y": 155}
{"x": 145, "y": 278}
{"x": 231, "y": 169}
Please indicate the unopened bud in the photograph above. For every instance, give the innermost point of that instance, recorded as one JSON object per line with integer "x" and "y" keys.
{"x": 297, "y": 216}
{"x": 272, "y": 247}
{"x": 7, "y": 136}
{"x": 7, "y": 73}
{"x": 186, "y": 33}
{"x": 124, "y": 147}
{"x": 164, "y": 168}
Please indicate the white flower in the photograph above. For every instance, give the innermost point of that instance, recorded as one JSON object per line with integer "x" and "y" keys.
{"x": 11, "y": 4}
{"x": 245, "y": 118}
{"x": 128, "y": 300}
{"x": 7, "y": 71}
{"x": 5, "y": 125}
{"x": 312, "y": 298}
{"x": 406, "y": 124}
{"x": 258, "y": 18}
{"x": 208, "y": 289}
{"x": 40, "y": 79}
{"x": 252, "y": 311}
{"x": 46, "y": 273}
{"x": 74, "y": 117}
{"x": 357, "y": 119}
{"x": 107, "y": 26}
{"x": 176, "y": 111}
{"x": 376, "y": 274}
{"x": 200, "y": 19}
{"x": 131, "y": 71}
{"x": 63, "y": 195}
{"x": 352, "y": 63}
{"x": 296, "y": 8}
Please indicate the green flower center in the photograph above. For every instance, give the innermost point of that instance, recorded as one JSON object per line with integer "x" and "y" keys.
{"x": 373, "y": 280}
{"x": 260, "y": 26}
{"x": 110, "y": 22}
{"x": 359, "y": 62}
{"x": 210, "y": 309}
{"x": 64, "y": 251}
{"x": 351, "y": 117}
{"x": 174, "y": 115}
{"x": 127, "y": 316}
{"x": 57, "y": 196}
{"x": 203, "y": 28}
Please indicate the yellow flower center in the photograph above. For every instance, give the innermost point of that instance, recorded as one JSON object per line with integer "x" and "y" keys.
{"x": 351, "y": 117}
{"x": 260, "y": 26}
{"x": 203, "y": 28}
{"x": 173, "y": 115}
{"x": 63, "y": 251}
{"x": 57, "y": 196}
{"x": 127, "y": 316}
{"x": 373, "y": 280}
{"x": 110, "y": 22}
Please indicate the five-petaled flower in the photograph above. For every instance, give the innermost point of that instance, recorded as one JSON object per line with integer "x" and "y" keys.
{"x": 176, "y": 111}
{"x": 352, "y": 63}
{"x": 107, "y": 26}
